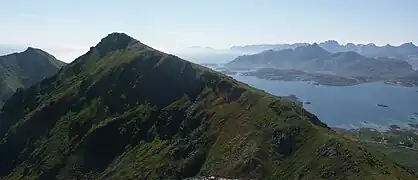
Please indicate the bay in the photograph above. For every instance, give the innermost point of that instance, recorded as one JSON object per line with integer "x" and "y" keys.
{"x": 348, "y": 106}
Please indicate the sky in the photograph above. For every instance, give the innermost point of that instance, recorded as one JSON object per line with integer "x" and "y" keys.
{"x": 67, "y": 28}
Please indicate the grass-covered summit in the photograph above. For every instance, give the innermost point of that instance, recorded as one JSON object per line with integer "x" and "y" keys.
{"x": 126, "y": 111}
{"x": 20, "y": 70}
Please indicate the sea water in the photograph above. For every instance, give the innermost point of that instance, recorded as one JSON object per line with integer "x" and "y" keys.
{"x": 348, "y": 106}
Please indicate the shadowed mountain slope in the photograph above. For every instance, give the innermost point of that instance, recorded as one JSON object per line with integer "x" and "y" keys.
{"x": 126, "y": 111}
{"x": 20, "y": 70}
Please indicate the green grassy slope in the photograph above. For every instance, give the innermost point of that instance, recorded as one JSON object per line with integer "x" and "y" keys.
{"x": 398, "y": 144}
{"x": 20, "y": 70}
{"x": 126, "y": 111}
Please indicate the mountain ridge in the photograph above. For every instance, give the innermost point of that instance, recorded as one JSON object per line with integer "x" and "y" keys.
{"x": 22, "y": 69}
{"x": 406, "y": 51}
{"x": 329, "y": 45}
{"x": 401, "y": 51}
{"x": 315, "y": 58}
{"x": 138, "y": 113}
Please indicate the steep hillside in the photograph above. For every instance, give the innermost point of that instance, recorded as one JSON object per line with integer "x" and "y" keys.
{"x": 20, "y": 70}
{"x": 126, "y": 111}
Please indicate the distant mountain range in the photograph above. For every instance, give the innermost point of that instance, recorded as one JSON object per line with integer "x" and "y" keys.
{"x": 21, "y": 70}
{"x": 257, "y": 48}
{"x": 124, "y": 110}
{"x": 314, "y": 58}
{"x": 369, "y": 50}
{"x": 200, "y": 54}
{"x": 407, "y": 51}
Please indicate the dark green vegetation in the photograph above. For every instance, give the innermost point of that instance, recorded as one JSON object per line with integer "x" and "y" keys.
{"x": 21, "y": 70}
{"x": 293, "y": 98}
{"x": 394, "y": 136}
{"x": 406, "y": 157}
{"x": 399, "y": 144}
{"x": 208, "y": 178}
{"x": 126, "y": 111}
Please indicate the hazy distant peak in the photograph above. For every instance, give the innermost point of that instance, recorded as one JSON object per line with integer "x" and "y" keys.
{"x": 313, "y": 49}
{"x": 371, "y": 44}
{"x": 314, "y": 45}
{"x": 35, "y": 50}
{"x": 331, "y": 42}
{"x": 311, "y": 46}
{"x": 409, "y": 44}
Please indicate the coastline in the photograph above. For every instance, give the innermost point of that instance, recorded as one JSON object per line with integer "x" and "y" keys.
{"x": 324, "y": 79}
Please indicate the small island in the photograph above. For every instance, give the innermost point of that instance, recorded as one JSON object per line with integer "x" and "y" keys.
{"x": 382, "y": 105}
{"x": 307, "y": 102}
{"x": 298, "y": 75}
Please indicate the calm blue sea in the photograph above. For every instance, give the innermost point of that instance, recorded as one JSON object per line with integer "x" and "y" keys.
{"x": 348, "y": 106}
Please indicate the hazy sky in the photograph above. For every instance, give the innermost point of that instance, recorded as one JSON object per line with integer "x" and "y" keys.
{"x": 68, "y": 28}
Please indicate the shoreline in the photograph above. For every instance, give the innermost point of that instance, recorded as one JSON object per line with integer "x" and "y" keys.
{"x": 350, "y": 81}
{"x": 317, "y": 78}
{"x": 340, "y": 85}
